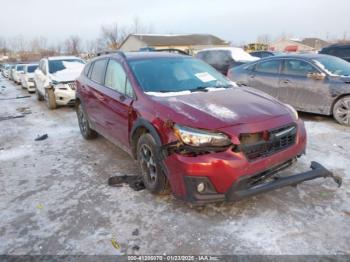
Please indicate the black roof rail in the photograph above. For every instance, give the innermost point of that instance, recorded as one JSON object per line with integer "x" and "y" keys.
{"x": 106, "y": 52}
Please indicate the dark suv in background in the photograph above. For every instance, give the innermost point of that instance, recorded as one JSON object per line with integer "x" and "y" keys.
{"x": 339, "y": 50}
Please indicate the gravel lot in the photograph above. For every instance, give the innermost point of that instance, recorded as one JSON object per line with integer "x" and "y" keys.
{"x": 54, "y": 197}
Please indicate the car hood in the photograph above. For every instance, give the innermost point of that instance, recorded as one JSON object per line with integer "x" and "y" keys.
{"x": 67, "y": 75}
{"x": 218, "y": 109}
{"x": 345, "y": 79}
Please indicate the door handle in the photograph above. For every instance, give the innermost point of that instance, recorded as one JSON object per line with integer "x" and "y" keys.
{"x": 286, "y": 81}
{"x": 252, "y": 76}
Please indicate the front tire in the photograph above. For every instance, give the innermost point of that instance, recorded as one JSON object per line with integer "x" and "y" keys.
{"x": 84, "y": 125}
{"x": 50, "y": 98}
{"x": 152, "y": 174}
{"x": 341, "y": 111}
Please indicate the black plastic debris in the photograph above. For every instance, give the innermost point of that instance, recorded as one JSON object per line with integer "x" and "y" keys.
{"x": 135, "y": 232}
{"x": 136, "y": 248}
{"x": 17, "y": 97}
{"x": 2, "y": 118}
{"x": 40, "y": 138}
{"x": 135, "y": 182}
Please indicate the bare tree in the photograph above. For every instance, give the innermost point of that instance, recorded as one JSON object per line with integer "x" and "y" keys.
{"x": 112, "y": 36}
{"x": 264, "y": 39}
{"x": 73, "y": 45}
{"x": 3, "y": 46}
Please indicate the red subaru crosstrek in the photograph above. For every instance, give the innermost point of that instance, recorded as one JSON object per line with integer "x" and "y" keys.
{"x": 191, "y": 128}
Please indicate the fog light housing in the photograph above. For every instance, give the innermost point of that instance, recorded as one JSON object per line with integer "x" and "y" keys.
{"x": 201, "y": 187}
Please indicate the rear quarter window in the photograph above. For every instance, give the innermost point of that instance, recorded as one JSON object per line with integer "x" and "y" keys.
{"x": 98, "y": 71}
{"x": 86, "y": 69}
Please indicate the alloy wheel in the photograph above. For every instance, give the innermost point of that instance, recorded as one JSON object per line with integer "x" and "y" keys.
{"x": 82, "y": 120}
{"x": 343, "y": 111}
{"x": 148, "y": 165}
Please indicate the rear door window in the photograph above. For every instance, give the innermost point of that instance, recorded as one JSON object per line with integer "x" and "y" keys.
{"x": 116, "y": 78}
{"x": 98, "y": 71}
{"x": 298, "y": 68}
{"x": 271, "y": 67}
{"x": 341, "y": 52}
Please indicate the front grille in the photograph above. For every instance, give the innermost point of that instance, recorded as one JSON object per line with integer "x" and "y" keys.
{"x": 268, "y": 142}
{"x": 71, "y": 85}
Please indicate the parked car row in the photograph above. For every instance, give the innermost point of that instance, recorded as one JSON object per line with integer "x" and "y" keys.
{"x": 52, "y": 79}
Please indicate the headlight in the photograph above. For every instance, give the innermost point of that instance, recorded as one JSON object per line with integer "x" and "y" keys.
{"x": 196, "y": 137}
{"x": 294, "y": 112}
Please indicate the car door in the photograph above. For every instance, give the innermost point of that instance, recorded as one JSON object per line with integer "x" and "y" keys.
{"x": 299, "y": 89}
{"x": 118, "y": 97}
{"x": 265, "y": 76}
{"x": 92, "y": 97}
{"x": 110, "y": 100}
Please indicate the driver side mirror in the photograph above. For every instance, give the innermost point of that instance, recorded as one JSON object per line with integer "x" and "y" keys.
{"x": 316, "y": 76}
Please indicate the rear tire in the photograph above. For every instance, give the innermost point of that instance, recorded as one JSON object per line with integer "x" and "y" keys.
{"x": 84, "y": 125}
{"x": 50, "y": 98}
{"x": 152, "y": 174}
{"x": 341, "y": 111}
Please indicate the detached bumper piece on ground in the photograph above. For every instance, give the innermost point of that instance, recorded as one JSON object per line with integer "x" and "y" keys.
{"x": 254, "y": 185}
{"x": 245, "y": 187}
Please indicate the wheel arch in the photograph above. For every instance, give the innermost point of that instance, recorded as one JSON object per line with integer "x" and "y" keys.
{"x": 142, "y": 126}
{"x": 336, "y": 100}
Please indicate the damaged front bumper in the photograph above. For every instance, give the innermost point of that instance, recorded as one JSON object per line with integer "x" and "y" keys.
{"x": 248, "y": 186}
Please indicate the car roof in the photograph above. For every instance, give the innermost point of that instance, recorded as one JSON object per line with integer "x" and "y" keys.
{"x": 229, "y": 48}
{"x": 302, "y": 56}
{"x": 337, "y": 46}
{"x": 62, "y": 57}
{"x": 130, "y": 56}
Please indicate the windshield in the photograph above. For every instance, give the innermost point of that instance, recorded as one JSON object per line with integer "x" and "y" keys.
{"x": 333, "y": 65}
{"x": 32, "y": 68}
{"x": 19, "y": 68}
{"x": 176, "y": 75}
{"x": 58, "y": 65}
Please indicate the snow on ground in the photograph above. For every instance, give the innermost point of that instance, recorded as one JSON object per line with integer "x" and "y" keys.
{"x": 54, "y": 197}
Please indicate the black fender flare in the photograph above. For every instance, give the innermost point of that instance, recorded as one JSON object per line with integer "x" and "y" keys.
{"x": 143, "y": 123}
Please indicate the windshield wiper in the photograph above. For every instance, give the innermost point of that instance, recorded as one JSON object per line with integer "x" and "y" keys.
{"x": 200, "y": 88}
{"x": 206, "y": 88}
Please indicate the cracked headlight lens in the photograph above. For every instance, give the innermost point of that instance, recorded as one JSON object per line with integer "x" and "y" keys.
{"x": 201, "y": 138}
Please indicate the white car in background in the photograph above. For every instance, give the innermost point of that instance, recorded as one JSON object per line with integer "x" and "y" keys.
{"x": 5, "y": 71}
{"x": 27, "y": 78}
{"x": 17, "y": 72}
{"x": 224, "y": 58}
{"x": 55, "y": 80}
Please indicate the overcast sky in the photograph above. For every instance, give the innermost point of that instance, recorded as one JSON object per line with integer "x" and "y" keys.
{"x": 236, "y": 21}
